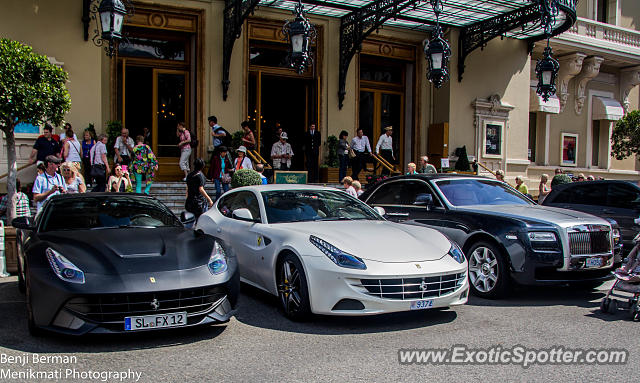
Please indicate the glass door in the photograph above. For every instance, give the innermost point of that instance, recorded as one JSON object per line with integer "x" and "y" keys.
{"x": 170, "y": 106}
{"x": 379, "y": 109}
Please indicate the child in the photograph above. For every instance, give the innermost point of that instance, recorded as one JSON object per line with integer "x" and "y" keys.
{"x": 348, "y": 185}
{"x": 358, "y": 187}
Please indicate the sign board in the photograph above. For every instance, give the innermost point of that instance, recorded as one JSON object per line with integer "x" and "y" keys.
{"x": 290, "y": 177}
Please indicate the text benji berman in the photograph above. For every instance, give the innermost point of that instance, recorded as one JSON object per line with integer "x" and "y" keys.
{"x": 24, "y": 359}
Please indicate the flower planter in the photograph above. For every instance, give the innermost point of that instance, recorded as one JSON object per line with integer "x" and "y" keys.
{"x": 329, "y": 175}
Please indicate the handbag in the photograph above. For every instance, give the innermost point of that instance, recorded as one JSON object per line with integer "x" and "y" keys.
{"x": 97, "y": 170}
{"x": 226, "y": 178}
{"x": 352, "y": 153}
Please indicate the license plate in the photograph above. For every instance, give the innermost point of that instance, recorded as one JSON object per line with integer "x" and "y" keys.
{"x": 593, "y": 262}
{"x": 421, "y": 305}
{"x": 148, "y": 322}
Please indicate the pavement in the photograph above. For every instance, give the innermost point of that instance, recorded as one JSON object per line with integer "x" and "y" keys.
{"x": 260, "y": 345}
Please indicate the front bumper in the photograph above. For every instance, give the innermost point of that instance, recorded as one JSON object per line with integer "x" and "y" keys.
{"x": 101, "y": 304}
{"x": 335, "y": 290}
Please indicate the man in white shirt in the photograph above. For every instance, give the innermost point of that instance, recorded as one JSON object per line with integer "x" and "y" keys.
{"x": 385, "y": 148}
{"x": 123, "y": 147}
{"x": 48, "y": 183}
{"x": 360, "y": 144}
{"x": 281, "y": 153}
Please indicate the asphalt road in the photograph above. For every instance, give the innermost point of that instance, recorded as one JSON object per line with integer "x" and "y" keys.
{"x": 261, "y": 345}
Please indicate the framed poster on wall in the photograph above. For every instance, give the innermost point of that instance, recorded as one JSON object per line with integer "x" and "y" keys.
{"x": 493, "y": 137}
{"x": 569, "y": 149}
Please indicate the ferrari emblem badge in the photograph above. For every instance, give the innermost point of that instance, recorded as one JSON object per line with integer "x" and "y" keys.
{"x": 152, "y": 279}
{"x": 259, "y": 240}
{"x": 418, "y": 266}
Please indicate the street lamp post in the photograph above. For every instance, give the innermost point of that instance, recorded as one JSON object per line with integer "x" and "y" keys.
{"x": 547, "y": 68}
{"x": 300, "y": 34}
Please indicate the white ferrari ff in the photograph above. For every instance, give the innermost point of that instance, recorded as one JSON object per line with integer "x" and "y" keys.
{"x": 322, "y": 251}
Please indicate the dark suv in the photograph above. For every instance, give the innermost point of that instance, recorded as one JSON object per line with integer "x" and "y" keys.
{"x": 617, "y": 200}
{"x": 504, "y": 235}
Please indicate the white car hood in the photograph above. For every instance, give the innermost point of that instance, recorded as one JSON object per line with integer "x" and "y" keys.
{"x": 381, "y": 241}
{"x": 548, "y": 214}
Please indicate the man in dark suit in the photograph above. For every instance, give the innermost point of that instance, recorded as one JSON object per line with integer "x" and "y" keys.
{"x": 312, "y": 151}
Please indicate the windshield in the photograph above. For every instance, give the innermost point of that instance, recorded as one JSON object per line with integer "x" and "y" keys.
{"x": 102, "y": 212}
{"x": 465, "y": 192}
{"x": 314, "y": 205}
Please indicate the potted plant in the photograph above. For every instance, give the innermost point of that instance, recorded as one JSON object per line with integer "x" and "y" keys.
{"x": 329, "y": 170}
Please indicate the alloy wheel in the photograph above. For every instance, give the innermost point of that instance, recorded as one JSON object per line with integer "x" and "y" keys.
{"x": 483, "y": 269}
{"x": 289, "y": 288}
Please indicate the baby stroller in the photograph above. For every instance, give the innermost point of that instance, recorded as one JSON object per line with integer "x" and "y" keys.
{"x": 625, "y": 291}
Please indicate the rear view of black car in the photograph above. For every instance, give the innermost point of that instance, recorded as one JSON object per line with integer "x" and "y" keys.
{"x": 613, "y": 200}
{"x": 111, "y": 263}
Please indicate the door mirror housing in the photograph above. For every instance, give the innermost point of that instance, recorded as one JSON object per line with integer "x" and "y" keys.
{"x": 380, "y": 211}
{"x": 244, "y": 214}
{"x": 24, "y": 223}
{"x": 424, "y": 199}
{"x": 187, "y": 219}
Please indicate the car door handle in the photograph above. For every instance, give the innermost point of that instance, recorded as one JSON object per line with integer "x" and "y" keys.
{"x": 398, "y": 214}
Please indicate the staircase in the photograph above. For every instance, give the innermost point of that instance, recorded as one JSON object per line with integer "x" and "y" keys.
{"x": 174, "y": 194}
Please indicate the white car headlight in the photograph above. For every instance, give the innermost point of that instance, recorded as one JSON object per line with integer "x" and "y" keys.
{"x": 456, "y": 253}
{"x": 338, "y": 256}
{"x": 218, "y": 261}
{"x": 542, "y": 236}
{"x": 63, "y": 268}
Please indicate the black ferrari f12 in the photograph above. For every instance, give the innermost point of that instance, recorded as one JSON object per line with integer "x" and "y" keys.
{"x": 112, "y": 263}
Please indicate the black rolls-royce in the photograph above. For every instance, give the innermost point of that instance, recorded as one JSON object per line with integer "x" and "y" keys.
{"x": 505, "y": 236}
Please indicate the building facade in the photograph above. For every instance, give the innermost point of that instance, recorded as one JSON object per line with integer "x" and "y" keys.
{"x": 174, "y": 66}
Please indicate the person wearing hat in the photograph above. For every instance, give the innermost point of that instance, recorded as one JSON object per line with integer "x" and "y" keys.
{"x": 385, "y": 148}
{"x": 281, "y": 153}
{"x": 242, "y": 161}
{"x": 48, "y": 183}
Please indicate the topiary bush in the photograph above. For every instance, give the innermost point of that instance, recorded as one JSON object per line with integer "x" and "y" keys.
{"x": 245, "y": 177}
{"x": 462, "y": 163}
{"x": 332, "y": 152}
{"x": 560, "y": 179}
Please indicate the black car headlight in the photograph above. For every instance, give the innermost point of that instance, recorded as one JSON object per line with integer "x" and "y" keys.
{"x": 456, "y": 253}
{"x": 338, "y": 256}
{"x": 218, "y": 261}
{"x": 63, "y": 268}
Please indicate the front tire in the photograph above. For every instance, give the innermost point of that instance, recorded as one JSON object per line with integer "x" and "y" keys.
{"x": 293, "y": 292}
{"x": 34, "y": 330}
{"x": 21, "y": 284}
{"x": 488, "y": 271}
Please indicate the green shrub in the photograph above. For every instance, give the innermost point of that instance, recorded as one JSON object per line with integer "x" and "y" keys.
{"x": 114, "y": 129}
{"x": 236, "y": 139}
{"x": 462, "y": 163}
{"x": 332, "y": 152}
{"x": 245, "y": 177}
{"x": 560, "y": 179}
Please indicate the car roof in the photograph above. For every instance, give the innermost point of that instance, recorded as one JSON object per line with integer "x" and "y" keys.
{"x": 72, "y": 196}
{"x": 278, "y": 187}
{"x": 561, "y": 187}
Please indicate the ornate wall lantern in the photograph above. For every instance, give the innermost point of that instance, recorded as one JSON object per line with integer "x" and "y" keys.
{"x": 547, "y": 68}
{"x": 109, "y": 16}
{"x": 437, "y": 51}
{"x": 300, "y": 34}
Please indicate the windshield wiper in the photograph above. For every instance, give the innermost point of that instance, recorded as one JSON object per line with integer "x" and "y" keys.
{"x": 341, "y": 218}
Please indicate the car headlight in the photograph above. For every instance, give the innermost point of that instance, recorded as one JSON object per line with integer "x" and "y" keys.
{"x": 542, "y": 236}
{"x": 616, "y": 236}
{"x": 218, "y": 261}
{"x": 63, "y": 268}
{"x": 456, "y": 253}
{"x": 338, "y": 256}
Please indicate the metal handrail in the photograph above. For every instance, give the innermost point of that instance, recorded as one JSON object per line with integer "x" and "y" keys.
{"x": 384, "y": 163}
{"x": 486, "y": 168}
{"x": 20, "y": 168}
{"x": 258, "y": 158}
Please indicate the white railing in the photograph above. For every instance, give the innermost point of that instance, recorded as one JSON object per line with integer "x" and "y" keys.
{"x": 601, "y": 31}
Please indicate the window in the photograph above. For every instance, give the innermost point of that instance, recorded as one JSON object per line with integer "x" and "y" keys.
{"x": 602, "y": 11}
{"x": 532, "y": 136}
{"x": 590, "y": 194}
{"x": 623, "y": 196}
{"x": 387, "y": 194}
{"x": 240, "y": 200}
{"x": 595, "y": 146}
{"x": 564, "y": 196}
{"x": 493, "y": 139}
{"x": 413, "y": 193}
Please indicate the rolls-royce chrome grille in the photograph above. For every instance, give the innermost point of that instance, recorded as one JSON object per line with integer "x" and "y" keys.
{"x": 589, "y": 239}
{"x": 413, "y": 288}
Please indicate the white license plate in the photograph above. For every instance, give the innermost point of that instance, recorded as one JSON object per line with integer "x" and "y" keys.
{"x": 593, "y": 262}
{"x": 421, "y": 305}
{"x": 148, "y": 322}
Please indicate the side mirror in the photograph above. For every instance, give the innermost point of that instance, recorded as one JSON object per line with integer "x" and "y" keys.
{"x": 187, "y": 219}
{"x": 243, "y": 215}
{"x": 380, "y": 210}
{"x": 24, "y": 223}
{"x": 424, "y": 199}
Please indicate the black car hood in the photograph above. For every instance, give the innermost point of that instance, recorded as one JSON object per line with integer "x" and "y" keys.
{"x": 543, "y": 214}
{"x": 131, "y": 250}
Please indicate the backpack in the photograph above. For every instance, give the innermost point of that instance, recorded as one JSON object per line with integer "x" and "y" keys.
{"x": 194, "y": 140}
{"x": 226, "y": 140}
